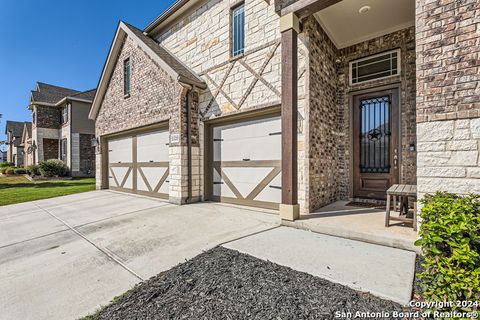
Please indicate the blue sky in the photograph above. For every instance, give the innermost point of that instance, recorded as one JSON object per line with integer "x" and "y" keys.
{"x": 59, "y": 42}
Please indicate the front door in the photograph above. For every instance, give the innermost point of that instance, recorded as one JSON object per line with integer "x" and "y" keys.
{"x": 375, "y": 143}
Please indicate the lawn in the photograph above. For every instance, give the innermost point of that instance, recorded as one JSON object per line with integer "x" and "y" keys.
{"x": 20, "y": 189}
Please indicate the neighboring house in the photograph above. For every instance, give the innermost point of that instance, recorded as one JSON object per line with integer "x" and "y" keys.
{"x": 27, "y": 144}
{"x": 61, "y": 128}
{"x": 3, "y": 156}
{"x": 198, "y": 105}
{"x": 15, "y": 153}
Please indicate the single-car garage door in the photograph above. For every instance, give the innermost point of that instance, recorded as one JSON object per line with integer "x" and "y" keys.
{"x": 247, "y": 163}
{"x": 139, "y": 163}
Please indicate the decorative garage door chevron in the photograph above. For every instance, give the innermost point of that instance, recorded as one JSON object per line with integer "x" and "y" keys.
{"x": 139, "y": 164}
{"x": 247, "y": 163}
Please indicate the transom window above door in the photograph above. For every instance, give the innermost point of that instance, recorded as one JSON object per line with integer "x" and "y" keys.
{"x": 375, "y": 67}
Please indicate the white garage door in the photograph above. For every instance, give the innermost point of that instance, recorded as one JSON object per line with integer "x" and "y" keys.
{"x": 139, "y": 163}
{"x": 247, "y": 163}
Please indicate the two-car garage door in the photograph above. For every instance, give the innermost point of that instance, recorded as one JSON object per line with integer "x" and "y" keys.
{"x": 247, "y": 163}
{"x": 139, "y": 163}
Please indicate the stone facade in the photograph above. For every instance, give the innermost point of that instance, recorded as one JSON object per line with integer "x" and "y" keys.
{"x": 250, "y": 82}
{"x": 155, "y": 97}
{"x": 448, "y": 96}
{"x": 329, "y": 111}
{"x": 50, "y": 149}
{"x": 322, "y": 132}
{"x": 48, "y": 117}
{"x": 87, "y": 154}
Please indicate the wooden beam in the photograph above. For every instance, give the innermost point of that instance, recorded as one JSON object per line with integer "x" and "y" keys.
{"x": 289, "y": 116}
{"x": 305, "y": 8}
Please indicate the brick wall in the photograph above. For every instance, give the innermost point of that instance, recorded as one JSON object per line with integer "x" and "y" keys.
{"x": 448, "y": 96}
{"x": 48, "y": 117}
{"x": 87, "y": 154}
{"x": 323, "y": 134}
{"x": 50, "y": 149}
{"x": 155, "y": 97}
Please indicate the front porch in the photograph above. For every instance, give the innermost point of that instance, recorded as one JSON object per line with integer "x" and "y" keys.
{"x": 357, "y": 223}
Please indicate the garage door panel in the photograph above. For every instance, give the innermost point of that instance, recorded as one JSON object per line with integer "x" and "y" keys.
{"x": 153, "y": 147}
{"x": 121, "y": 177}
{"x": 248, "y": 155}
{"x": 272, "y": 192}
{"x": 153, "y": 177}
{"x": 148, "y": 163}
{"x": 120, "y": 150}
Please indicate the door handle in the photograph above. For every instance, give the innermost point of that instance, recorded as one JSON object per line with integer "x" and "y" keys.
{"x": 246, "y": 159}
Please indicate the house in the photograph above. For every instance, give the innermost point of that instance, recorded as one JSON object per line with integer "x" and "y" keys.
{"x": 15, "y": 152}
{"x": 3, "y": 156}
{"x": 292, "y": 104}
{"x": 27, "y": 144}
{"x": 61, "y": 128}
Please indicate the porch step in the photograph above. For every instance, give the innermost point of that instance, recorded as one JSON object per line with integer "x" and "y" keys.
{"x": 385, "y": 272}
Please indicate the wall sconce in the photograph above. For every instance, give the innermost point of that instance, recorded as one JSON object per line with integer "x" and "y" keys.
{"x": 95, "y": 142}
{"x": 412, "y": 147}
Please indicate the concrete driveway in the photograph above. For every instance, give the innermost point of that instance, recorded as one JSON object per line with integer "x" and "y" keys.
{"x": 62, "y": 258}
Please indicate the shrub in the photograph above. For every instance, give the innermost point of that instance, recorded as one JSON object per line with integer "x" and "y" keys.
{"x": 20, "y": 171}
{"x": 33, "y": 170}
{"x": 450, "y": 240}
{"x": 5, "y": 164}
{"x": 53, "y": 168}
{"x": 5, "y": 170}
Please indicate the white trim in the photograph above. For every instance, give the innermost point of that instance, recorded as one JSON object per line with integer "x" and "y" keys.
{"x": 399, "y": 66}
{"x": 370, "y": 36}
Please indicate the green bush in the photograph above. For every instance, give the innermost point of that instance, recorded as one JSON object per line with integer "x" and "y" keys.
{"x": 33, "y": 170}
{"x": 5, "y": 164}
{"x": 6, "y": 170}
{"x": 53, "y": 168}
{"x": 20, "y": 171}
{"x": 450, "y": 240}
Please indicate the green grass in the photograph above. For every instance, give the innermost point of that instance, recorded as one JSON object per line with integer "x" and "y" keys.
{"x": 19, "y": 189}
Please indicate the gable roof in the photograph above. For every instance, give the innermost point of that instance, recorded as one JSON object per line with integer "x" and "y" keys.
{"x": 50, "y": 94}
{"x": 176, "y": 6}
{"x": 167, "y": 61}
{"x": 15, "y": 127}
{"x": 27, "y": 131}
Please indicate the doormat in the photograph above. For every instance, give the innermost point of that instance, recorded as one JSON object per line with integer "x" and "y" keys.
{"x": 365, "y": 205}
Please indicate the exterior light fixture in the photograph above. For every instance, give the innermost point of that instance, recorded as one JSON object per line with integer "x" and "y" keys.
{"x": 95, "y": 142}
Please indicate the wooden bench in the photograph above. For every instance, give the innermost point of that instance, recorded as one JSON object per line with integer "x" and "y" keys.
{"x": 400, "y": 193}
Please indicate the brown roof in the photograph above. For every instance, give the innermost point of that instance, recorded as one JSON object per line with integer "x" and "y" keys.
{"x": 50, "y": 94}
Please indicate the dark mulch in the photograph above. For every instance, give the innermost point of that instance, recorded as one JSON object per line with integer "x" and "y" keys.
{"x": 225, "y": 284}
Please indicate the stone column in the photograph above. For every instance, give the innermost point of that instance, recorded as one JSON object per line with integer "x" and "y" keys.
{"x": 448, "y": 90}
{"x": 289, "y": 27}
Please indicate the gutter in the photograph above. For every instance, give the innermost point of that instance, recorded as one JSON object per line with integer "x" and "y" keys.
{"x": 165, "y": 15}
{"x": 189, "y": 144}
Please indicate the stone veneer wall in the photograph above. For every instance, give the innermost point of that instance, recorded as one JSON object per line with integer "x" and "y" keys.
{"x": 329, "y": 112}
{"x": 87, "y": 154}
{"x": 448, "y": 96}
{"x": 405, "y": 41}
{"x": 322, "y": 133}
{"x": 155, "y": 97}
{"x": 50, "y": 149}
{"x": 201, "y": 40}
{"x": 48, "y": 117}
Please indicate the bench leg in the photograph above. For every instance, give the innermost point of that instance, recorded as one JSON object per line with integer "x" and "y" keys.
{"x": 415, "y": 216}
{"x": 387, "y": 215}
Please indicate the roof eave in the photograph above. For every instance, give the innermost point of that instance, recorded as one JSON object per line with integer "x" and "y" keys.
{"x": 165, "y": 15}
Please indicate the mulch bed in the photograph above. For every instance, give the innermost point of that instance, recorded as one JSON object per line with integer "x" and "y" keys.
{"x": 225, "y": 284}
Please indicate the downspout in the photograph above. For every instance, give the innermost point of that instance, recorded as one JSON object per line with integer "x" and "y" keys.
{"x": 189, "y": 144}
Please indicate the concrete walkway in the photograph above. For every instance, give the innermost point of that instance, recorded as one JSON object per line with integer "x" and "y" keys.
{"x": 64, "y": 257}
{"x": 383, "y": 271}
